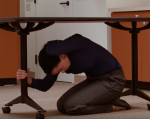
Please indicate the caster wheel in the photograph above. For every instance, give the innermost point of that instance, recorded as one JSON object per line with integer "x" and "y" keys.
{"x": 6, "y": 110}
{"x": 40, "y": 116}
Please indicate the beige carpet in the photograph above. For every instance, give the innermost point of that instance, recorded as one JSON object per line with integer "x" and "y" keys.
{"x": 47, "y": 100}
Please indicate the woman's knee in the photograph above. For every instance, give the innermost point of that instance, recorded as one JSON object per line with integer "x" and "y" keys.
{"x": 60, "y": 106}
{"x": 73, "y": 109}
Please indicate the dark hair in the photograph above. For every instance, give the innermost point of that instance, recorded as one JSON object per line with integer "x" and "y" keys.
{"x": 47, "y": 62}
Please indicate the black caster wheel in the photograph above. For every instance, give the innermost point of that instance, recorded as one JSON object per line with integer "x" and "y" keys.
{"x": 40, "y": 116}
{"x": 6, "y": 110}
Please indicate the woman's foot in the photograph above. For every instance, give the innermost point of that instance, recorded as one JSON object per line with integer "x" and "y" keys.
{"x": 119, "y": 103}
{"x": 115, "y": 108}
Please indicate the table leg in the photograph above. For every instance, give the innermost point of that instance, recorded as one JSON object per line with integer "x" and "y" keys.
{"x": 134, "y": 32}
{"x": 24, "y": 98}
{"x": 134, "y": 90}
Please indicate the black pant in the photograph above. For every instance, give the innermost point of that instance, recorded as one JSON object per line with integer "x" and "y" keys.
{"x": 93, "y": 95}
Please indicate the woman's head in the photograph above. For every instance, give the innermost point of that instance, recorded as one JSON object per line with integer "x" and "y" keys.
{"x": 63, "y": 65}
{"x": 53, "y": 64}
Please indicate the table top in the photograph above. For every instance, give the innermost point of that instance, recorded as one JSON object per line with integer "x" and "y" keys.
{"x": 73, "y": 19}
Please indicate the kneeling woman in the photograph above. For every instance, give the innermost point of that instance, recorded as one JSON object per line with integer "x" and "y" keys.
{"x": 98, "y": 93}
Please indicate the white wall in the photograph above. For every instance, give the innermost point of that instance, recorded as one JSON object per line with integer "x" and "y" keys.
{"x": 95, "y": 31}
{"x": 110, "y": 4}
{"x": 22, "y": 10}
{"x": 127, "y": 3}
{"x": 149, "y": 2}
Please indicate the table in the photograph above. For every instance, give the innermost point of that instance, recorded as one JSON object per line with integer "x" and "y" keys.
{"x": 12, "y": 24}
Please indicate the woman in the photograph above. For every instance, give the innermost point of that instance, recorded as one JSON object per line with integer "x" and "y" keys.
{"x": 99, "y": 93}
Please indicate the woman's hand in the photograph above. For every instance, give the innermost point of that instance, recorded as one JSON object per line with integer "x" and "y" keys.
{"x": 22, "y": 74}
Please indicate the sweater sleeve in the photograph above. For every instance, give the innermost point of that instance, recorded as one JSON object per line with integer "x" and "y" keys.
{"x": 44, "y": 84}
{"x": 71, "y": 44}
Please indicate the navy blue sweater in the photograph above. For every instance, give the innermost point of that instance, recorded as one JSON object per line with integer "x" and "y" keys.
{"x": 84, "y": 55}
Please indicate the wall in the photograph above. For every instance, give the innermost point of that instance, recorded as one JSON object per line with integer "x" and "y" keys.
{"x": 22, "y": 9}
{"x": 149, "y": 2}
{"x": 92, "y": 8}
{"x": 110, "y": 4}
{"x": 127, "y": 3}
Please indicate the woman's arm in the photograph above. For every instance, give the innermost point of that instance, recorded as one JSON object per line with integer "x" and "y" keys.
{"x": 40, "y": 84}
{"x": 43, "y": 84}
{"x": 73, "y": 43}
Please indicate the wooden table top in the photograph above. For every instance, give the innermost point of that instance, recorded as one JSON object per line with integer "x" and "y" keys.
{"x": 73, "y": 19}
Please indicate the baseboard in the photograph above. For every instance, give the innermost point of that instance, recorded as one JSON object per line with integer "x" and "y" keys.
{"x": 141, "y": 85}
{"x": 8, "y": 81}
